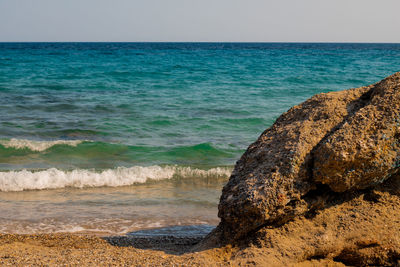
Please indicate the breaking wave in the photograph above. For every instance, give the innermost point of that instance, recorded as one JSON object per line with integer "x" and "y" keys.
{"x": 54, "y": 178}
{"x": 36, "y": 145}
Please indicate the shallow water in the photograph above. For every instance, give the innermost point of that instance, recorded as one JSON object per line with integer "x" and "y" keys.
{"x": 111, "y": 210}
{"x": 115, "y": 137}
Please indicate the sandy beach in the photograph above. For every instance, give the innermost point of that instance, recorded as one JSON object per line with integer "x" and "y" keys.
{"x": 87, "y": 250}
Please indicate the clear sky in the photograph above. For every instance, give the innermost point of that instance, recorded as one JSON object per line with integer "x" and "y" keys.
{"x": 201, "y": 20}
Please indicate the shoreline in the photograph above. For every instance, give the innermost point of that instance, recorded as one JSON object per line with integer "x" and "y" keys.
{"x": 361, "y": 229}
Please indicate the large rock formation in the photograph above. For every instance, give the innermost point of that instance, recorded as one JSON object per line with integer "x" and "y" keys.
{"x": 333, "y": 142}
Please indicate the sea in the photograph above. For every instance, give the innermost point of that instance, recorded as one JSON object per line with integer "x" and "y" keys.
{"x": 112, "y": 138}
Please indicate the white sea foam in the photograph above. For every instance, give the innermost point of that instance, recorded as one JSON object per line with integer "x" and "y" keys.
{"x": 37, "y": 145}
{"x": 103, "y": 226}
{"x": 54, "y": 178}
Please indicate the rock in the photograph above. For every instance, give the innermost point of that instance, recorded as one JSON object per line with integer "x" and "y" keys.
{"x": 344, "y": 140}
{"x": 366, "y": 148}
{"x": 355, "y": 228}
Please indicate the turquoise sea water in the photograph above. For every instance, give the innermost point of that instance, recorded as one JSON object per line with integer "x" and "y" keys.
{"x": 84, "y": 115}
{"x": 157, "y": 103}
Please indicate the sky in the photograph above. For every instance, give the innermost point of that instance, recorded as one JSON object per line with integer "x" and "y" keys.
{"x": 200, "y": 20}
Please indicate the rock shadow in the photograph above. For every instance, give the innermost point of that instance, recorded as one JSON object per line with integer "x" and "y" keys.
{"x": 175, "y": 240}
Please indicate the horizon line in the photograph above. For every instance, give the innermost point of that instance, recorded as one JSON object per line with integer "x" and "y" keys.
{"x": 208, "y": 42}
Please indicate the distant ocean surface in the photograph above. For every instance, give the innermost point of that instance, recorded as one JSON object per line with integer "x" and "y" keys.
{"x": 113, "y": 137}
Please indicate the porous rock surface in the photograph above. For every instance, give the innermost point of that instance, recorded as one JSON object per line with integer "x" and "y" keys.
{"x": 366, "y": 148}
{"x": 333, "y": 142}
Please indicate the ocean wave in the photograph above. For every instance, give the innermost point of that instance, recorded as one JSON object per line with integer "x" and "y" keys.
{"x": 54, "y": 178}
{"x": 37, "y": 145}
{"x": 85, "y": 154}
